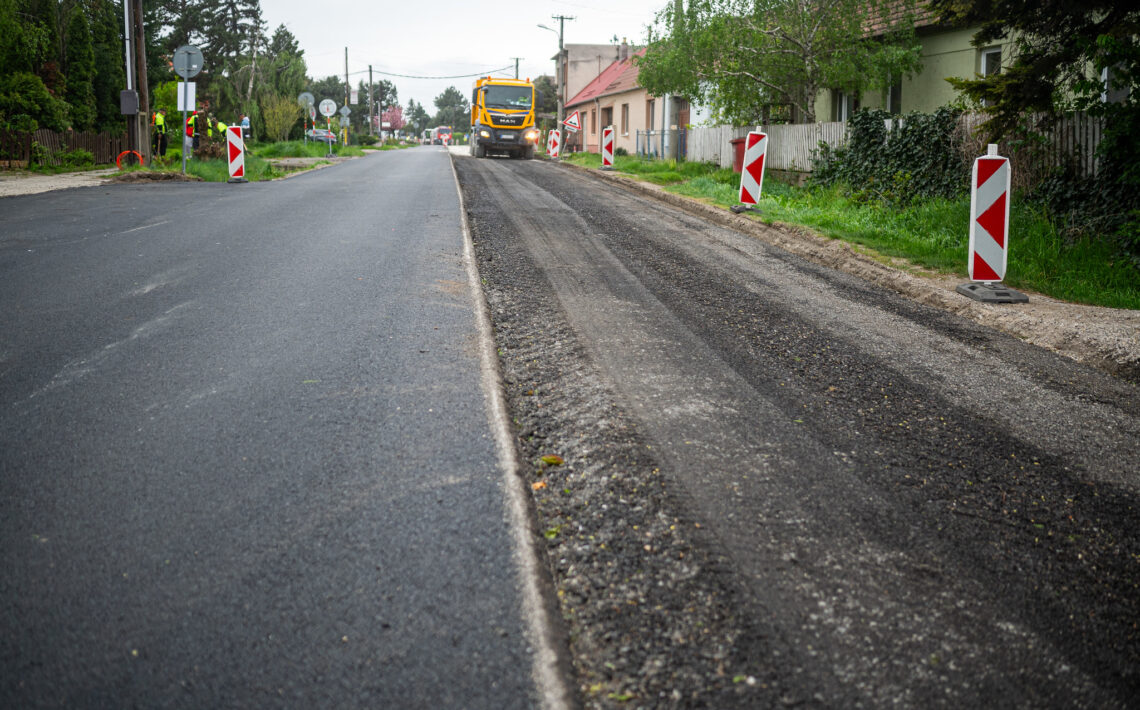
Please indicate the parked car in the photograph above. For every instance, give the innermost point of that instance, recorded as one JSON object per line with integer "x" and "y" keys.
{"x": 321, "y": 134}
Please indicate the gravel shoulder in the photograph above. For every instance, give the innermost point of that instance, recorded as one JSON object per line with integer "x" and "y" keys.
{"x": 1105, "y": 338}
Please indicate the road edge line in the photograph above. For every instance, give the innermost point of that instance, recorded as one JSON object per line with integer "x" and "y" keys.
{"x": 549, "y": 664}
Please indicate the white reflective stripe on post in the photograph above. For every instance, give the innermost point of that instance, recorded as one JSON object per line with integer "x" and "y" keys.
{"x": 752, "y": 172}
{"x": 554, "y": 148}
{"x": 989, "y": 218}
{"x": 235, "y": 145}
{"x": 608, "y": 147}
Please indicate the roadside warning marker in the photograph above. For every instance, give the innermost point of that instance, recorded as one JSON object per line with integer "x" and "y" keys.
{"x": 752, "y": 174}
{"x": 553, "y": 143}
{"x": 608, "y": 148}
{"x": 989, "y": 230}
{"x": 989, "y": 217}
{"x": 236, "y": 149}
{"x": 573, "y": 122}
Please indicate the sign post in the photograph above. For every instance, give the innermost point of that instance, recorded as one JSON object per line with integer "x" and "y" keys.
{"x": 752, "y": 174}
{"x": 187, "y": 64}
{"x": 989, "y": 231}
{"x": 306, "y": 100}
{"x": 608, "y": 148}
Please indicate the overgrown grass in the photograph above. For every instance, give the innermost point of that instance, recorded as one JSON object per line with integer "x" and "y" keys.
{"x": 929, "y": 233}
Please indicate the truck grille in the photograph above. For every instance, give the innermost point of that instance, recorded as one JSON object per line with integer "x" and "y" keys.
{"x": 503, "y": 120}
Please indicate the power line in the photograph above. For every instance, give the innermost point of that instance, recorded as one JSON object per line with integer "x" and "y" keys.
{"x": 457, "y": 76}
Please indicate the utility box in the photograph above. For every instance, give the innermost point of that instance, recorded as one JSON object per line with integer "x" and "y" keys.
{"x": 128, "y": 102}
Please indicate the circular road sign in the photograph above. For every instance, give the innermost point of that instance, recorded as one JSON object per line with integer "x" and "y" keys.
{"x": 344, "y": 110}
{"x": 305, "y": 99}
{"x": 328, "y": 107}
{"x": 187, "y": 61}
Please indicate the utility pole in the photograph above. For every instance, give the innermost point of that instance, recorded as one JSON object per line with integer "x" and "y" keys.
{"x": 563, "y": 67}
{"x": 516, "y": 66}
{"x": 370, "y": 121}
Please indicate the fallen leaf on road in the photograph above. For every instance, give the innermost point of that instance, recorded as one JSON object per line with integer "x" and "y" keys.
{"x": 552, "y": 460}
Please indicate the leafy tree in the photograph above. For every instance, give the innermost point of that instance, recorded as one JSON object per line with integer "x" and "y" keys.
{"x": 393, "y": 115}
{"x": 111, "y": 74}
{"x": 280, "y": 114}
{"x": 747, "y": 56}
{"x": 545, "y": 86}
{"x": 80, "y": 70}
{"x": 285, "y": 64}
{"x": 417, "y": 117}
{"x": 26, "y": 103}
{"x": 1068, "y": 56}
{"x": 452, "y": 109}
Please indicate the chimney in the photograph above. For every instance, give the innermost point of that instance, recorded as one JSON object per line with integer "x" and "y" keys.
{"x": 624, "y": 49}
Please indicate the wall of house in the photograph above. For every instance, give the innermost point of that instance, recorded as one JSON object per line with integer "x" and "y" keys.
{"x": 944, "y": 54}
{"x": 583, "y": 63}
{"x": 636, "y": 99}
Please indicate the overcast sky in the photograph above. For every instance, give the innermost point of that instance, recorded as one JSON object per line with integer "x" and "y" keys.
{"x": 444, "y": 38}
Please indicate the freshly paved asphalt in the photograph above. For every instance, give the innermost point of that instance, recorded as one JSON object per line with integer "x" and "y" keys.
{"x": 245, "y": 458}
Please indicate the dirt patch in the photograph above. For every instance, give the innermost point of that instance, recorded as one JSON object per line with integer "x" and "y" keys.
{"x": 1105, "y": 338}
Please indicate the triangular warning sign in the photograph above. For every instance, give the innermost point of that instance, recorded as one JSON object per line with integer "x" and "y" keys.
{"x": 234, "y": 151}
{"x": 573, "y": 122}
{"x": 993, "y": 220}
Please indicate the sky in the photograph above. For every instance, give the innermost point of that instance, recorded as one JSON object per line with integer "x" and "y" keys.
{"x": 449, "y": 38}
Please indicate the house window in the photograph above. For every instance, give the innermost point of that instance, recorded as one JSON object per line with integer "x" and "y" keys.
{"x": 1115, "y": 90}
{"x": 608, "y": 116}
{"x": 990, "y": 61}
{"x": 649, "y": 114}
{"x": 594, "y": 119}
{"x": 625, "y": 119}
{"x": 894, "y": 98}
{"x": 842, "y": 105}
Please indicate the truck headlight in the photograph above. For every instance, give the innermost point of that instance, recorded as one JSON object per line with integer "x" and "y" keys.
{"x": 484, "y": 133}
{"x": 532, "y": 135}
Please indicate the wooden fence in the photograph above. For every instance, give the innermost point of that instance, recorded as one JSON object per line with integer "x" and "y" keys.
{"x": 1071, "y": 144}
{"x": 16, "y": 148}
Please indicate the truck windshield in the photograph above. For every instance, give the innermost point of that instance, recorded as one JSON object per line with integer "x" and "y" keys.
{"x": 508, "y": 96}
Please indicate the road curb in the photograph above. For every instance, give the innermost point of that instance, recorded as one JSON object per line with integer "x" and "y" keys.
{"x": 1105, "y": 338}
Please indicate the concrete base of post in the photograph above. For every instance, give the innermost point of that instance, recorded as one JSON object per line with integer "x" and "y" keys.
{"x": 738, "y": 209}
{"x": 992, "y": 293}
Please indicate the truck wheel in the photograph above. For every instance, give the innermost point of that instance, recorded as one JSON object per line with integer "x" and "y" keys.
{"x": 528, "y": 153}
{"x": 480, "y": 151}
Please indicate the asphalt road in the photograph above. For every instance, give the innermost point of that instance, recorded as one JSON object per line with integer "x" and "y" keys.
{"x": 245, "y": 452}
{"x": 867, "y": 502}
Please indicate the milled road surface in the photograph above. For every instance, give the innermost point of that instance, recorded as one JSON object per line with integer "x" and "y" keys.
{"x": 245, "y": 454}
{"x": 784, "y": 486}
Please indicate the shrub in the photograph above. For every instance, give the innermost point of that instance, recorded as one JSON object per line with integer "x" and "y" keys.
{"x": 77, "y": 158}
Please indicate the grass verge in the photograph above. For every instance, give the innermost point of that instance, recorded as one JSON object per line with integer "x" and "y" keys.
{"x": 930, "y": 233}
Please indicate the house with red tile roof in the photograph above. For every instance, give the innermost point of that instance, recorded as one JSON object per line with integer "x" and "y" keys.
{"x": 614, "y": 98}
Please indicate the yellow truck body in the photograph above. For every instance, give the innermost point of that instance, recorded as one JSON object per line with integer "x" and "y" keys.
{"x": 503, "y": 117}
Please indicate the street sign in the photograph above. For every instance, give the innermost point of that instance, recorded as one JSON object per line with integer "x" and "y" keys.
{"x": 187, "y": 95}
{"x": 328, "y": 108}
{"x": 573, "y": 122}
{"x": 187, "y": 61}
{"x": 344, "y": 121}
{"x": 344, "y": 110}
{"x": 235, "y": 145}
{"x": 305, "y": 99}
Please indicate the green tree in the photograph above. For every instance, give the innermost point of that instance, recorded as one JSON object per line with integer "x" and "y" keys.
{"x": 549, "y": 95}
{"x": 280, "y": 114}
{"x": 80, "y": 69}
{"x": 1067, "y": 56}
{"x": 452, "y": 109}
{"x": 417, "y": 117}
{"x": 111, "y": 75}
{"x": 746, "y": 57}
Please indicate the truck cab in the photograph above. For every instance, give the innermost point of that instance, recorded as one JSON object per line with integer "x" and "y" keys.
{"x": 503, "y": 118}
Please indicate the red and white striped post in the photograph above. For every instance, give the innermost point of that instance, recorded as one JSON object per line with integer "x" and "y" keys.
{"x": 608, "y": 148}
{"x": 752, "y": 172}
{"x": 554, "y": 143}
{"x": 989, "y": 230}
{"x": 235, "y": 145}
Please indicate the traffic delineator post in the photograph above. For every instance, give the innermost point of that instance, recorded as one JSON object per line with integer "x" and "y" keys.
{"x": 235, "y": 148}
{"x": 988, "y": 254}
{"x": 608, "y": 148}
{"x": 752, "y": 172}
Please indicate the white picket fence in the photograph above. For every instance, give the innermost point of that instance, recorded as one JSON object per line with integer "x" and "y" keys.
{"x": 1072, "y": 143}
{"x": 790, "y": 146}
